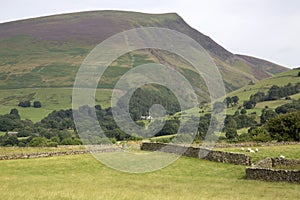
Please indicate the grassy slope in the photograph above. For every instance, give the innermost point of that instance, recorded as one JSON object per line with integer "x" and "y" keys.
{"x": 281, "y": 79}
{"x": 51, "y": 99}
{"x": 244, "y": 93}
{"x": 82, "y": 177}
{"x": 263, "y": 85}
{"x": 46, "y": 53}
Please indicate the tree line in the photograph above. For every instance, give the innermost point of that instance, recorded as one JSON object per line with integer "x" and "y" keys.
{"x": 274, "y": 93}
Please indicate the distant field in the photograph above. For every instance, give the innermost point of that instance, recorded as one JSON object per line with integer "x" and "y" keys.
{"x": 83, "y": 177}
{"x": 51, "y": 99}
{"x": 281, "y": 79}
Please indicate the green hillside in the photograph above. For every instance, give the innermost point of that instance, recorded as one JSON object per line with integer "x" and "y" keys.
{"x": 245, "y": 92}
{"x": 280, "y": 79}
{"x": 51, "y": 99}
{"x": 44, "y": 54}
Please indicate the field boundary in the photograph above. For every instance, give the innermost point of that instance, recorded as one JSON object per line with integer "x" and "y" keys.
{"x": 59, "y": 153}
{"x": 263, "y": 170}
{"x": 254, "y": 144}
{"x": 196, "y": 152}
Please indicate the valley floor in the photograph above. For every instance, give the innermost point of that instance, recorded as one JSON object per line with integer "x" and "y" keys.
{"x": 83, "y": 177}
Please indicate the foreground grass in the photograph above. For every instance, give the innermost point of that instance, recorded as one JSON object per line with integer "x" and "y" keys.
{"x": 83, "y": 177}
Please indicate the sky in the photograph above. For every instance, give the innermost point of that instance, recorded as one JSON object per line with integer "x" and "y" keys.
{"x": 267, "y": 29}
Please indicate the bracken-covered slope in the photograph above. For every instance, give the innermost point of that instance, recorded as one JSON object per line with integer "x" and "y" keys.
{"x": 47, "y": 51}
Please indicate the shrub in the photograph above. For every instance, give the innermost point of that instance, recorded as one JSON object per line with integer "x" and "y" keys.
{"x": 37, "y": 104}
{"x": 24, "y": 104}
{"x": 285, "y": 127}
{"x": 243, "y": 111}
{"x": 51, "y": 144}
{"x": 260, "y": 134}
{"x": 38, "y": 142}
{"x": 231, "y": 133}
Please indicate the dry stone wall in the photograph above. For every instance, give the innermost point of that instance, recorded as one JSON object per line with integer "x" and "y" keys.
{"x": 196, "y": 152}
{"x": 51, "y": 154}
{"x": 291, "y": 176}
{"x": 263, "y": 170}
{"x": 254, "y": 144}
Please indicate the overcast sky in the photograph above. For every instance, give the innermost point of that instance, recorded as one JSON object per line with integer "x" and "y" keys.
{"x": 268, "y": 29}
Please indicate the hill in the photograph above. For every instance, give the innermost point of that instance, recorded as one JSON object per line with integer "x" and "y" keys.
{"x": 244, "y": 93}
{"x": 46, "y": 52}
{"x": 281, "y": 79}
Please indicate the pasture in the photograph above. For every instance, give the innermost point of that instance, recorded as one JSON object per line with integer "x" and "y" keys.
{"x": 51, "y": 99}
{"x": 83, "y": 177}
{"x": 289, "y": 151}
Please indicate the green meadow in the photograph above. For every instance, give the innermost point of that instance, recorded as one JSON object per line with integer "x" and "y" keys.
{"x": 83, "y": 177}
{"x": 289, "y": 151}
{"x": 51, "y": 99}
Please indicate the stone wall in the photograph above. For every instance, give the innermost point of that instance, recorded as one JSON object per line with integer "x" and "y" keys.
{"x": 51, "y": 154}
{"x": 254, "y": 144}
{"x": 196, "y": 152}
{"x": 291, "y": 176}
{"x": 263, "y": 170}
{"x": 285, "y": 162}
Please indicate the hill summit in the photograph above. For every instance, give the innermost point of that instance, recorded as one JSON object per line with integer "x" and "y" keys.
{"x": 47, "y": 51}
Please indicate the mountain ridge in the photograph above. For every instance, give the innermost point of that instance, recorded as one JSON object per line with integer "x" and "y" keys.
{"x": 62, "y": 41}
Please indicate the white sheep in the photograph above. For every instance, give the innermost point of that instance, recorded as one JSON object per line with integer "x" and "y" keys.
{"x": 252, "y": 151}
{"x": 242, "y": 149}
{"x": 249, "y": 149}
{"x": 256, "y": 149}
{"x": 282, "y": 156}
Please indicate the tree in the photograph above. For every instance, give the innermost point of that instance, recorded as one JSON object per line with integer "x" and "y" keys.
{"x": 266, "y": 115}
{"x": 170, "y": 127}
{"x": 37, "y": 104}
{"x": 289, "y": 107}
{"x": 231, "y": 133}
{"x": 98, "y": 107}
{"x": 260, "y": 134}
{"x": 285, "y": 127}
{"x": 249, "y": 104}
{"x": 24, "y": 104}
{"x": 38, "y": 142}
{"x": 230, "y": 123}
{"x": 14, "y": 112}
{"x": 257, "y": 97}
{"x": 235, "y": 99}
{"x": 243, "y": 111}
{"x": 227, "y": 101}
{"x": 55, "y": 139}
{"x": 11, "y": 141}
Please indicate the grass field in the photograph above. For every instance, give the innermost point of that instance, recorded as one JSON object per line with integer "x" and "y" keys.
{"x": 51, "y": 99}
{"x": 289, "y": 151}
{"x": 83, "y": 177}
{"x": 281, "y": 79}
